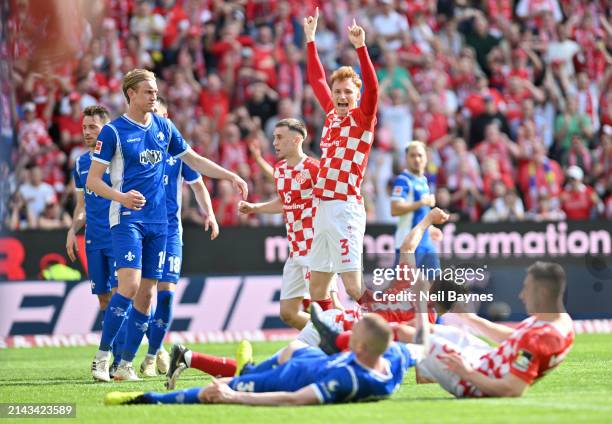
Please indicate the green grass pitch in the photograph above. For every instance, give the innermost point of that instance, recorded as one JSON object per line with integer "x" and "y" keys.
{"x": 580, "y": 390}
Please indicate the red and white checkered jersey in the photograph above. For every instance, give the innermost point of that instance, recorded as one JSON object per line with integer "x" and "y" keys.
{"x": 390, "y": 302}
{"x": 344, "y": 320}
{"x": 294, "y": 185}
{"x": 345, "y": 144}
{"x": 533, "y": 349}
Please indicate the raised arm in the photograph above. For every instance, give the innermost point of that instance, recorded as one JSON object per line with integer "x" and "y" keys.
{"x": 316, "y": 73}
{"x": 369, "y": 100}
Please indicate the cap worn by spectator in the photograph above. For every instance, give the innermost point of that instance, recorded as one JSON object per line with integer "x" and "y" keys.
{"x": 29, "y": 107}
{"x": 575, "y": 172}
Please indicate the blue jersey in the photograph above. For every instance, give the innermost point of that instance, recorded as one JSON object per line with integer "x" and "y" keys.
{"x": 136, "y": 153}
{"x": 410, "y": 188}
{"x": 97, "y": 228}
{"x": 342, "y": 379}
{"x": 336, "y": 378}
{"x": 176, "y": 173}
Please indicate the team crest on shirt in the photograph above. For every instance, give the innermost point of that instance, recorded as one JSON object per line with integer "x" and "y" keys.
{"x": 98, "y": 147}
{"x": 522, "y": 360}
{"x": 171, "y": 161}
{"x": 301, "y": 177}
{"x": 161, "y": 136}
{"x": 151, "y": 157}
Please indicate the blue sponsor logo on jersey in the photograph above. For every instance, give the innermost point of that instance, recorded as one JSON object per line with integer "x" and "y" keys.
{"x": 151, "y": 157}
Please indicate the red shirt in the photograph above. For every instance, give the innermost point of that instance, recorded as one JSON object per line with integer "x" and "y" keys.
{"x": 346, "y": 141}
{"x": 215, "y": 105}
{"x": 533, "y": 349}
{"x": 294, "y": 187}
{"x": 577, "y": 204}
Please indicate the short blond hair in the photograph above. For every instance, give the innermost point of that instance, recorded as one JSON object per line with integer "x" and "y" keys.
{"x": 344, "y": 73}
{"x": 378, "y": 335}
{"x": 133, "y": 78}
{"x": 414, "y": 144}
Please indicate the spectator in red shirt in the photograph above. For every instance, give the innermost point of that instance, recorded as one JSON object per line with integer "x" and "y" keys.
{"x": 233, "y": 150}
{"x": 578, "y": 200}
{"x": 70, "y": 125}
{"x": 214, "y": 100}
{"x": 32, "y": 133}
{"x": 497, "y": 146}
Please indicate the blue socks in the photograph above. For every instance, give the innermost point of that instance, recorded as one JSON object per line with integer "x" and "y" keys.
{"x": 114, "y": 316}
{"x": 119, "y": 343}
{"x": 137, "y": 325}
{"x": 161, "y": 321}
{"x": 181, "y": 396}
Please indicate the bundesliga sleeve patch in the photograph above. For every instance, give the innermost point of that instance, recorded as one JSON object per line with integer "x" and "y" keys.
{"x": 522, "y": 360}
{"x": 397, "y": 191}
{"x": 98, "y": 147}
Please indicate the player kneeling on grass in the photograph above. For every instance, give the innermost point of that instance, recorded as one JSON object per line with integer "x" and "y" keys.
{"x": 466, "y": 366}
{"x": 304, "y": 375}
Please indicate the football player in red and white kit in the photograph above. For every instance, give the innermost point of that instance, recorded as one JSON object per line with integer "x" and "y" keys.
{"x": 346, "y": 141}
{"x": 466, "y": 367}
{"x": 294, "y": 176}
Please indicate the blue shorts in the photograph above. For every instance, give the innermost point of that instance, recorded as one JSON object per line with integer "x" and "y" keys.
{"x": 425, "y": 255}
{"x": 300, "y": 371}
{"x": 140, "y": 246}
{"x": 101, "y": 269}
{"x": 174, "y": 258}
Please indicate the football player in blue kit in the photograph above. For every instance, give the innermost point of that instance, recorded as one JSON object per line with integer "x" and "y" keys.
{"x": 157, "y": 358}
{"x": 91, "y": 210}
{"x": 411, "y": 201}
{"x": 304, "y": 375}
{"x": 134, "y": 147}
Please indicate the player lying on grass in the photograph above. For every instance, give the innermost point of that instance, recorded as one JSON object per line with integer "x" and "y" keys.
{"x": 465, "y": 366}
{"x": 305, "y": 375}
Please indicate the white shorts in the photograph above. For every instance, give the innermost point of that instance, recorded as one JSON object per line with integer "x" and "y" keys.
{"x": 339, "y": 227}
{"x": 446, "y": 339}
{"x": 296, "y": 279}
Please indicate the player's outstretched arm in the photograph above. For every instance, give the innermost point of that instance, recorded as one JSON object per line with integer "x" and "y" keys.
{"x": 369, "y": 102}
{"x": 132, "y": 199}
{"x": 202, "y": 196}
{"x": 489, "y": 329}
{"x": 315, "y": 71}
{"x": 508, "y": 386}
{"x": 271, "y": 207}
{"x": 210, "y": 169}
{"x": 78, "y": 221}
{"x": 218, "y": 392}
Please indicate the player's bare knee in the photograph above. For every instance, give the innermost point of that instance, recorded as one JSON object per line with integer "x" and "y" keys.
{"x": 163, "y": 286}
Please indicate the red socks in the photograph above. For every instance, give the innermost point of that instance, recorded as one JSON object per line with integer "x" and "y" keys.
{"x": 325, "y": 304}
{"x": 342, "y": 341}
{"x": 213, "y": 365}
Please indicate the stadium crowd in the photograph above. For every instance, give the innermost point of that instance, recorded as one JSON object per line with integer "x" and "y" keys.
{"x": 513, "y": 99}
